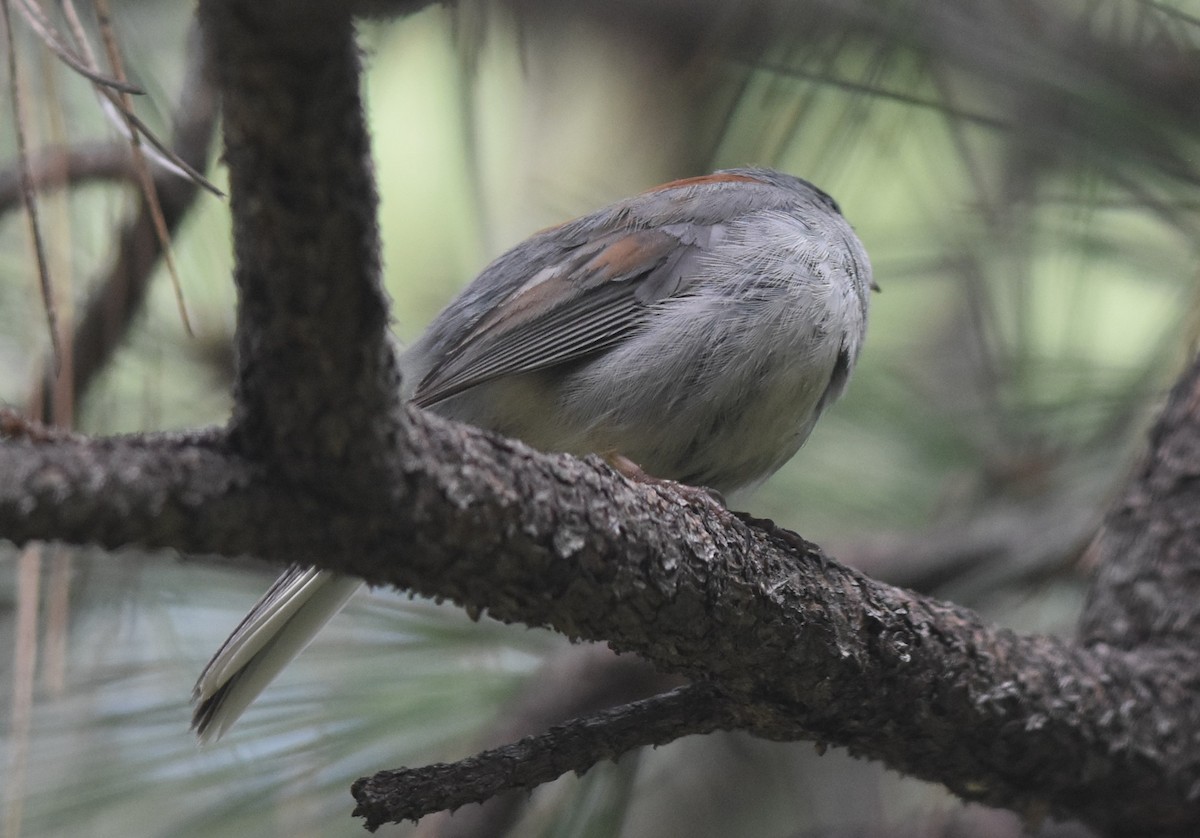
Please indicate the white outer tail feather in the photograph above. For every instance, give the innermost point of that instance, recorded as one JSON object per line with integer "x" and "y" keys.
{"x": 280, "y": 625}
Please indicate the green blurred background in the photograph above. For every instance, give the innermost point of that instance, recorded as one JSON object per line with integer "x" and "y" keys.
{"x": 1024, "y": 177}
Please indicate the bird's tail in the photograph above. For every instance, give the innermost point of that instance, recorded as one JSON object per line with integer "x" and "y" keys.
{"x": 277, "y": 628}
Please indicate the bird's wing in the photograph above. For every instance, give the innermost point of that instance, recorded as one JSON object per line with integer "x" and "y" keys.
{"x": 579, "y": 301}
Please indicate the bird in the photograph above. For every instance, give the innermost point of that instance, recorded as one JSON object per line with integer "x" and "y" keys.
{"x": 694, "y": 332}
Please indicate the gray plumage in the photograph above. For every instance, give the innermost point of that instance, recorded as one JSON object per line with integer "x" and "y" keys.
{"x": 698, "y": 329}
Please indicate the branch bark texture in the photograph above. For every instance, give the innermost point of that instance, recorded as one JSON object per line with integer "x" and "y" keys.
{"x": 317, "y": 386}
{"x": 799, "y": 646}
{"x": 1148, "y": 552}
{"x": 575, "y": 746}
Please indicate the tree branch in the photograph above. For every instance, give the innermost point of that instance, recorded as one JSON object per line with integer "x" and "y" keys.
{"x": 392, "y": 796}
{"x": 576, "y": 681}
{"x": 67, "y": 166}
{"x": 317, "y": 391}
{"x": 790, "y": 637}
{"x": 1147, "y": 590}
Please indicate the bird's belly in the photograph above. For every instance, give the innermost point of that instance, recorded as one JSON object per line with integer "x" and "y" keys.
{"x": 734, "y": 436}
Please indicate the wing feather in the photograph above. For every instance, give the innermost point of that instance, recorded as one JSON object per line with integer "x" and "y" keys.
{"x": 591, "y": 301}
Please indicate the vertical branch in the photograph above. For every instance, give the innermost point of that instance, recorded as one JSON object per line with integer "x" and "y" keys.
{"x": 317, "y": 387}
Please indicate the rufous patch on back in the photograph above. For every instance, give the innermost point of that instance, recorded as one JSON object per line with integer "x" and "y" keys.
{"x": 700, "y": 180}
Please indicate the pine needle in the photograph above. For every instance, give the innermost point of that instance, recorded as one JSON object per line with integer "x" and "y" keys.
{"x": 146, "y": 178}
{"x": 36, "y": 19}
{"x": 28, "y": 193}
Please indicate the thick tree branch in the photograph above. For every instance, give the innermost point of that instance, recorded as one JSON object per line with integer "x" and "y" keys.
{"x": 802, "y": 647}
{"x": 317, "y": 387}
{"x": 155, "y": 491}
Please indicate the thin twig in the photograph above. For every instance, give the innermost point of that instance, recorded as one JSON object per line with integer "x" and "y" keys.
{"x": 149, "y": 192}
{"x": 157, "y": 150}
{"x": 121, "y": 115}
{"x": 575, "y": 681}
{"x": 121, "y": 289}
{"x": 410, "y": 793}
{"x": 28, "y": 195}
{"x": 23, "y": 666}
{"x": 55, "y": 168}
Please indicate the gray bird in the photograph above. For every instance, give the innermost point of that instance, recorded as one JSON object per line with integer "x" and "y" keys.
{"x": 697, "y": 330}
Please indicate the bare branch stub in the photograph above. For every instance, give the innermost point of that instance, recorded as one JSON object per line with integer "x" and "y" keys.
{"x": 407, "y": 794}
{"x": 576, "y": 681}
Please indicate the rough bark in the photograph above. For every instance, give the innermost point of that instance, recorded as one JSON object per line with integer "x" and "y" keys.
{"x": 800, "y": 647}
{"x": 575, "y": 746}
{"x": 320, "y": 466}
{"x": 1148, "y": 551}
{"x": 317, "y": 390}
{"x": 576, "y": 681}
